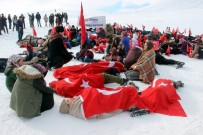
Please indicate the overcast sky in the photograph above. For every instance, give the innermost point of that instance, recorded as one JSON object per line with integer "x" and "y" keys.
{"x": 90, "y": 6}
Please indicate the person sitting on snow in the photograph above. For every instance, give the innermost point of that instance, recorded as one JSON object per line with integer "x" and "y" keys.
{"x": 197, "y": 52}
{"x": 57, "y": 53}
{"x": 30, "y": 95}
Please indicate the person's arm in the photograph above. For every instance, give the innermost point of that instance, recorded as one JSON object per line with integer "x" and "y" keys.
{"x": 63, "y": 50}
{"x": 41, "y": 86}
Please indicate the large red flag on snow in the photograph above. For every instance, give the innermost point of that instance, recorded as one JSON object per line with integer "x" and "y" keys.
{"x": 34, "y": 32}
{"x": 82, "y": 25}
{"x": 106, "y": 100}
{"x": 73, "y": 85}
{"x": 91, "y": 68}
{"x": 161, "y": 97}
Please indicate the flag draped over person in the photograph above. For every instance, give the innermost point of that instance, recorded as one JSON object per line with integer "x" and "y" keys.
{"x": 82, "y": 25}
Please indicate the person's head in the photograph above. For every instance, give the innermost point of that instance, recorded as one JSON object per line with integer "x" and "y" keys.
{"x": 124, "y": 33}
{"x": 15, "y": 60}
{"x": 148, "y": 45}
{"x": 60, "y": 30}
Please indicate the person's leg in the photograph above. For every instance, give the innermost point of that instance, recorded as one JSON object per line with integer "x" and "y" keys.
{"x": 133, "y": 75}
{"x": 178, "y": 84}
{"x": 47, "y": 102}
{"x": 134, "y": 111}
{"x": 111, "y": 79}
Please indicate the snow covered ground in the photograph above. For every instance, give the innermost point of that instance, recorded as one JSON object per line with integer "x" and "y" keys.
{"x": 53, "y": 123}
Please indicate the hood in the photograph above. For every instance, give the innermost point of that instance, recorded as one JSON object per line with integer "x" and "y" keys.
{"x": 28, "y": 72}
{"x": 54, "y": 36}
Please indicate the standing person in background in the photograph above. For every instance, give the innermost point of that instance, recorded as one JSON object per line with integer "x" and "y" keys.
{"x": 51, "y": 20}
{"x": 4, "y": 23}
{"x": 65, "y": 17}
{"x": 38, "y": 17}
{"x": 19, "y": 27}
{"x": 9, "y": 20}
{"x": 15, "y": 19}
{"x": 31, "y": 19}
{"x": 45, "y": 19}
{"x": 23, "y": 19}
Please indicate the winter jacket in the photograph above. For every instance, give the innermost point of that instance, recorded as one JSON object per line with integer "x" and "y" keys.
{"x": 57, "y": 53}
{"x": 146, "y": 66}
{"x": 85, "y": 52}
{"x": 10, "y": 77}
{"x": 28, "y": 91}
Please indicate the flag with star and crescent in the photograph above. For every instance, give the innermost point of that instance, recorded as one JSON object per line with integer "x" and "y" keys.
{"x": 90, "y": 68}
{"x": 161, "y": 97}
{"x": 106, "y": 100}
{"x": 72, "y": 86}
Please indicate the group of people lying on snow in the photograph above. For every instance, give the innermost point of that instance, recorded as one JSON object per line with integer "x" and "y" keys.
{"x": 137, "y": 63}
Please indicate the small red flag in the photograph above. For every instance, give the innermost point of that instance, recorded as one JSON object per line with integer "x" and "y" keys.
{"x": 189, "y": 50}
{"x": 82, "y": 24}
{"x": 34, "y": 32}
{"x": 143, "y": 27}
{"x": 168, "y": 51}
{"x": 185, "y": 31}
{"x": 190, "y": 32}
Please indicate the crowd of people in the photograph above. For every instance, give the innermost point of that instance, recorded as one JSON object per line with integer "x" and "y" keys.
{"x": 17, "y": 23}
{"x": 129, "y": 50}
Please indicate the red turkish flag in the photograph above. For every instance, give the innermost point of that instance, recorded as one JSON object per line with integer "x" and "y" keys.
{"x": 161, "y": 97}
{"x": 72, "y": 86}
{"x": 184, "y": 31}
{"x": 189, "y": 49}
{"x": 90, "y": 68}
{"x": 168, "y": 51}
{"x": 156, "y": 44}
{"x": 106, "y": 100}
{"x": 143, "y": 27}
{"x": 190, "y": 32}
{"x": 82, "y": 24}
{"x": 34, "y": 32}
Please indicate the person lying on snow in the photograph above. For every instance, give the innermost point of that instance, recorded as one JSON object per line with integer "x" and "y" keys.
{"x": 72, "y": 86}
{"x": 160, "y": 97}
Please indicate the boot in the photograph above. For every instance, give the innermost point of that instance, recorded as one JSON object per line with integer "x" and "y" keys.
{"x": 133, "y": 84}
{"x": 138, "y": 112}
{"x": 180, "y": 65}
{"x": 125, "y": 81}
{"x": 178, "y": 84}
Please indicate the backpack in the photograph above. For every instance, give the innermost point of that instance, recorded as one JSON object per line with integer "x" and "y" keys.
{"x": 3, "y": 62}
